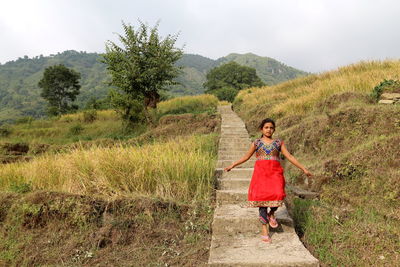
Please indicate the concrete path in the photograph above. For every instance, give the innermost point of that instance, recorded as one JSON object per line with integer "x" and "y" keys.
{"x": 236, "y": 237}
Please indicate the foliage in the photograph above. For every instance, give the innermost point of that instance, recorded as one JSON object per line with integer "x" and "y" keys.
{"x": 225, "y": 93}
{"x": 143, "y": 66}
{"x": 60, "y": 86}
{"x": 232, "y": 75}
{"x": 225, "y": 81}
{"x": 387, "y": 85}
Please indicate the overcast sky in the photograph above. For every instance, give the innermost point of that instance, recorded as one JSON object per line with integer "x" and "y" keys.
{"x": 311, "y": 35}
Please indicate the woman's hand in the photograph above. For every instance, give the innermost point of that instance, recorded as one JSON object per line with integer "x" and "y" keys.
{"x": 306, "y": 172}
{"x": 228, "y": 168}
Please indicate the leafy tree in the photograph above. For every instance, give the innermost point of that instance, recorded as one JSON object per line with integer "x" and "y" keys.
{"x": 144, "y": 65}
{"x": 224, "y": 80}
{"x": 60, "y": 86}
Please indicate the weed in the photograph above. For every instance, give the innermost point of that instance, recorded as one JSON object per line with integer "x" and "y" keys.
{"x": 76, "y": 129}
{"x": 89, "y": 115}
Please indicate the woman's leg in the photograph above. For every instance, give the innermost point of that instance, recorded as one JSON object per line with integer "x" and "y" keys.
{"x": 271, "y": 217}
{"x": 272, "y": 210}
{"x": 264, "y": 221}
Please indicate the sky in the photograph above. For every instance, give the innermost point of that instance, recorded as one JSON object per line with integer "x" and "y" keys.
{"x": 311, "y": 35}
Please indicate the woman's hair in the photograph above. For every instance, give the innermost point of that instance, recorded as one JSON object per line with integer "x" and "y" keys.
{"x": 264, "y": 121}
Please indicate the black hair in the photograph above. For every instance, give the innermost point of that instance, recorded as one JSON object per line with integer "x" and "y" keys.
{"x": 264, "y": 121}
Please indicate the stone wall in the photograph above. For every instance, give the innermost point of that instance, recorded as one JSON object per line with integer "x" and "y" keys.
{"x": 390, "y": 98}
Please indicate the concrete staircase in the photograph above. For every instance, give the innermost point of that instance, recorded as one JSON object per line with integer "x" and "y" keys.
{"x": 236, "y": 238}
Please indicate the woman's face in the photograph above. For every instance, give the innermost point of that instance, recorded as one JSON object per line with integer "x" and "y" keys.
{"x": 268, "y": 129}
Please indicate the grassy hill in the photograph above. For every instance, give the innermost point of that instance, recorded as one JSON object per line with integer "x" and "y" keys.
{"x": 351, "y": 144}
{"x": 20, "y": 95}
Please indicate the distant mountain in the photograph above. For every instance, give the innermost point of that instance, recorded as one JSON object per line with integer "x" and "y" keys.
{"x": 268, "y": 69}
{"x": 20, "y": 95}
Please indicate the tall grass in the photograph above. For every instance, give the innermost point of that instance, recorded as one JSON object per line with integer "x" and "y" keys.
{"x": 299, "y": 96}
{"x": 56, "y": 130}
{"x": 181, "y": 169}
{"x": 188, "y": 104}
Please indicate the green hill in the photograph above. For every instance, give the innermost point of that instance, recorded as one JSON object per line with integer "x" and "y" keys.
{"x": 20, "y": 95}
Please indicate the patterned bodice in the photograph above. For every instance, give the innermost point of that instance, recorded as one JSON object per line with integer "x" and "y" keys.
{"x": 268, "y": 151}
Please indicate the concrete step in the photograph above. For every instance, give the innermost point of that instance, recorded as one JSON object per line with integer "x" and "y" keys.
{"x": 242, "y": 250}
{"x": 234, "y": 184}
{"x": 225, "y": 163}
{"x": 236, "y": 228}
{"x": 231, "y": 196}
{"x": 234, "y": 219}
{"x": 238, "y": 173}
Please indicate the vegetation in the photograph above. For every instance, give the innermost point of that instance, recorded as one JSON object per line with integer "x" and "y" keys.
{"x": 188, "y": 104}
{"x": 56, "y": 229}
{"x": 111, "y": 201}
{"x": 123, "y": 171}
{"x": 331, "y": 123}
{"x": 140, "y": 69}
{"x": 60, "y": 86}
{"x": 20, "y": 95}
{"x": 226, "y": 80}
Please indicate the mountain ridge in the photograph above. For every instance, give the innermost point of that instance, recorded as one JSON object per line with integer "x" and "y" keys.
{"x": 20, "y": 95}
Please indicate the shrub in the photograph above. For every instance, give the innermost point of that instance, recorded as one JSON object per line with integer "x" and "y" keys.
{"x": 89, "y": 115}
{"x": 385, "y": 85}
{"x": 76, "y": 129}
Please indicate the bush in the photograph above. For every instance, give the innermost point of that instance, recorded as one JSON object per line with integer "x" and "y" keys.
{"x": 21, "y": 187}
{"x": 89, "y": 115}
{"x": 385, "y": 85}
{"x": 5, "y": 130}
{"x": 226, "y": 93}
{"x": 76, "y": 129}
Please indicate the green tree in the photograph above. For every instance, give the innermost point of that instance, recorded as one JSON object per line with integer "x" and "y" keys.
{"x": 226, "y": 80}
{"x": 144, "y": 65}
{"x": 60, "y": 86}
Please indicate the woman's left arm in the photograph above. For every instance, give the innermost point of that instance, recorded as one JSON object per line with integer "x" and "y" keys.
{"x": 293, "y": 160}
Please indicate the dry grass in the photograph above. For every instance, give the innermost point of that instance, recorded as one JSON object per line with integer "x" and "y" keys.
{"x": 180, "y": 169}
{"x": 188, "y": 104}
{"x": 300, "y": 96}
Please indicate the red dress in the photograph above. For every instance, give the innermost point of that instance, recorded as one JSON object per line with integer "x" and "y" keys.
{"x": 267, "y": 185}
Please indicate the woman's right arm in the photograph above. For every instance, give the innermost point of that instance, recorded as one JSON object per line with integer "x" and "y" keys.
{"x": 246, "y": 157}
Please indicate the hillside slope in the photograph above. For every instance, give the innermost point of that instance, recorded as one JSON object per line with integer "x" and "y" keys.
{"x": 351, "y": 144}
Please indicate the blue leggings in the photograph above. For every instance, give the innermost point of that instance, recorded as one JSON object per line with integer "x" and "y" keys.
{"x": 263, "y": 213}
